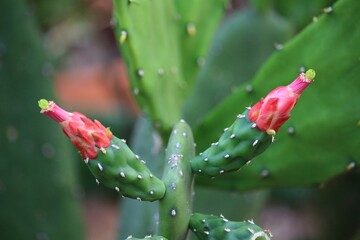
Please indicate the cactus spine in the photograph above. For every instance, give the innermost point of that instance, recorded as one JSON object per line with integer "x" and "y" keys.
{"x": 208, "y": 227}
{"x": 176, "y": 206}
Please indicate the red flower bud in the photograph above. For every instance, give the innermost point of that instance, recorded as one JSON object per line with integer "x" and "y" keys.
{"x": 271, "y": 112}
{"x": 86, "y": 135}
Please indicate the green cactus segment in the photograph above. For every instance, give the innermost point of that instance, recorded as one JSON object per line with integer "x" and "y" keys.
{"x": 119, "y": 168}
{"x": 161, "y": 42}
{"x": 147, "y": 238}
{"x": 239, "y": 143}
{"x": 311, "y": 141}
{"x": 209, "y": 227}
{"x": 176, "y": 206}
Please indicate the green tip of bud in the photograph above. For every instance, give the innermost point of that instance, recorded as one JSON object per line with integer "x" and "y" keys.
{"x": 310, "y": 74}
{"x": 43, "y": 104}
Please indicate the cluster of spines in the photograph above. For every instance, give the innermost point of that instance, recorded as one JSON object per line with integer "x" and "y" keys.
{"x": 208, "y": 227}
{"x": 119, "y": 168}
{"x": 239, "y": 143}
{"x": 176, "y": 207}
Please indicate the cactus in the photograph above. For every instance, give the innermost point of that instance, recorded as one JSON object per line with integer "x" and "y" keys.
{"x": 162, "y": 75}
{"x": 208, "y": 227}
{"x": 300, "y": 142}
{"x": 253, "y": 131}
{"x": 109, "y": 158}
{"x": 176, "y": 206}
{"x": 244, "y": 41}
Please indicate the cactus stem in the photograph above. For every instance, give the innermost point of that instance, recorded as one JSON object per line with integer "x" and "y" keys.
{"x": 117, "y": 189}
{"x": 97, "y": 181}
{"x": 100, "y": 167}
{"x": 115, "y": 146}
{"x": 123, "y": 37}
{"x": 191, "y": 29}
{"x": 86, "y": 160}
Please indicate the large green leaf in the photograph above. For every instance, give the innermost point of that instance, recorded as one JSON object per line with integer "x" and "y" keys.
{"x": 163, "y": 42}
{"x": 326, "y": 119}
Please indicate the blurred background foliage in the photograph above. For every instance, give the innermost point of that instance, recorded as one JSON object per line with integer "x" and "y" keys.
{"x": 66, "y": 50}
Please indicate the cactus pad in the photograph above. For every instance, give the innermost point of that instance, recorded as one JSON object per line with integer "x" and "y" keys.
{"x": 176, "y": 206}
{"x": 239, "y": 143}
{"x": 119, "y": 168}
{"x": 208, "y": 227}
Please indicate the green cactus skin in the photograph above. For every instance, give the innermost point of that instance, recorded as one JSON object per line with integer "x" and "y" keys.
{"x": 239, "y": 143}
{"x": 147, "y": 238}
{"x": 163, "y": 43}
{"x": 311, "y": 141}
{"x": 119, "y": 168}
{"x": 176, "y": 207}
{"x": 38, "y": 181}
{"x": 209, "y": 227}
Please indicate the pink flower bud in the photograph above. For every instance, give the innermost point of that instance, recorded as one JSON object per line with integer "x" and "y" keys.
{"x": 271, "y": 112}
{"x": 86, "y": 135}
